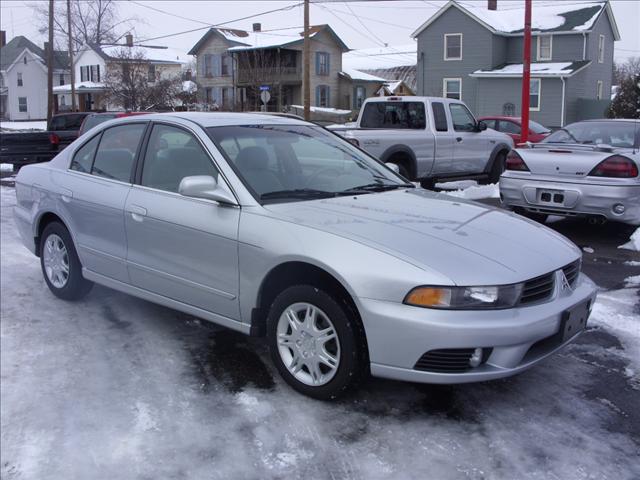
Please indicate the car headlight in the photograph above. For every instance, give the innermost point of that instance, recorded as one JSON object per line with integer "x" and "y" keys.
{"x": 465, "y": 298}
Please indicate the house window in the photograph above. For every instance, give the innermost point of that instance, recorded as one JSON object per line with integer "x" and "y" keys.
{"x": 322, "y": 63}
{"x": 453, "y": 46}
{"x": 601, "y": 49}
{"x": 94, "y": 71}
{"x": 22, "y": 104}
{"x": 151, "y": 74}
{"x": 545, "y": 44}
{"x": 20, "y": 79}
{"x": 599, "y": 90}
{"x": 452, "y": 88}
{"x": 63, "y": 101}
{"x": 226, "y": 65}
{"x": 359, "y": 95}
{"x": 322, "y": 96}
{"x": 24, "y": 59}
{"x": 534, "y": 94}
{"x": 509, "y": 109}
{"x": 61, "y": 79}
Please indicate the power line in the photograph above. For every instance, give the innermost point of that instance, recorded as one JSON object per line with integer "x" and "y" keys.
{"x": 288, "y": 7}
{"x": 373, "y": 35}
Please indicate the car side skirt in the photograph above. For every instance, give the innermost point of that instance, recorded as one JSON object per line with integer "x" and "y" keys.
{"x": 166, "y": 302}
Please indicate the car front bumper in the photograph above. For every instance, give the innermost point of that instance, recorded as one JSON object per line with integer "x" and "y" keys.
{"x": 578, "y": 199}
{"x": 518, "y": 338}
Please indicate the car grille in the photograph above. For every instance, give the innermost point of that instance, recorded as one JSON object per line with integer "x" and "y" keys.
{"x": 448, "y": 360}
{"x": 537, "y": 289}
{"x": 572, "y": 271}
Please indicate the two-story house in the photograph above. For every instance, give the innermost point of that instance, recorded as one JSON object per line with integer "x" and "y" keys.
{"x": 236, "y": 66}
{"x": 23, "y": 78}
{"x": 93, "y": 63}
{"x": 474, "y": 52}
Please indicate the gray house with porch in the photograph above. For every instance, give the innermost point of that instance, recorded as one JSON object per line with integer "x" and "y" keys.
{"x": 474, "y": 52}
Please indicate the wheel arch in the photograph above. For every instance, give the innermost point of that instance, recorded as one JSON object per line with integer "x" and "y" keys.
{"x": 497, "y": 150}
{"x": 41, "y": 223}
{"x": 402, "y": 151}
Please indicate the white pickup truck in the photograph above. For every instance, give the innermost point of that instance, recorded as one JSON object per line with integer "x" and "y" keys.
{"x": 429, "y": 139}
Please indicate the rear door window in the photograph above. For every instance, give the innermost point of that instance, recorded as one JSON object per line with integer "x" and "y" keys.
{"x": 83, "y": 159}
{"x": 461, "y": 118}
{"x": 439, "y": 117}
{"x": 407, "y": 115}
{"x": 117, "y": 150}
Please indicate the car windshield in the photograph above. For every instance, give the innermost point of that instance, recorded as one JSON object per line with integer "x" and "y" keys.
{"x": 299, "y": 162}
{"x": 616, "y": 134}
{"x": 94, "y": 120}
{"x": 535, "y": 127}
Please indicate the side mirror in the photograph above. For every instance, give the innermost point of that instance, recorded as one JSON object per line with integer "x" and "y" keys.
{"x": 393, "y": 167}
{"x": 481, "y": 126}
{"x": 205, "y": 186}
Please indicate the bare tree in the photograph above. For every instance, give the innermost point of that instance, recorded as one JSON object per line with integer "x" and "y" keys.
{"x": 133, "y": 84}
{"x": 92, "y": 21}
{"x": 255, "y": 68}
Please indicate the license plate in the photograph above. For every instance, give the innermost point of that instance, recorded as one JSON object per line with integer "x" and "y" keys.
{"x": 574, "y": 320}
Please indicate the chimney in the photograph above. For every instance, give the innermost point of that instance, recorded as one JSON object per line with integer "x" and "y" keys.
{"x": 492, "y": 4}
{"x": 129, "y": 40}
{"x": 3, "y": 38}
{"x": 257, "y": 27}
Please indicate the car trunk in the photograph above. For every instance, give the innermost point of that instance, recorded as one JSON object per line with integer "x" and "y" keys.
{"x": 571, "y": 160}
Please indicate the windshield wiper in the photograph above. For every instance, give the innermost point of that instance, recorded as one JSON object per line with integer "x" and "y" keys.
{"x": 377, "y": 187}
{"x": 297, "y": 193}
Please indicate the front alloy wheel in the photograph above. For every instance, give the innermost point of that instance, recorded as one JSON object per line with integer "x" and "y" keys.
{"x": 316, "y": 341}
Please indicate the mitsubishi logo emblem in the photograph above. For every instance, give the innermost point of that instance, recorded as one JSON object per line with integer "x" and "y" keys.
{"x": 565, "y": 283}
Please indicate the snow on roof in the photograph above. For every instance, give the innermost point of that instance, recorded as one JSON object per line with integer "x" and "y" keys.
{"x": 546, "y": 69}
{"x": 234, "y": 35}
{"x": 66, "y": 88}
{"x": 380, "y": 57}
{"x": 392, "y": 86}
{"x": 563, "y": 16}
{"x": 157, "y": 55}
{"x": 360, "y": 76}
{"x": 256, "y": 40}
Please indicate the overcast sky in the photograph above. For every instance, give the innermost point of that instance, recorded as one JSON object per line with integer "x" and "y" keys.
{"x": 360, "y": 24}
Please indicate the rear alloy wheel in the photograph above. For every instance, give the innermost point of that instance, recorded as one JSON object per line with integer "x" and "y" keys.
{"x": 60, "y": 264}
{"x": 313, "y": 342}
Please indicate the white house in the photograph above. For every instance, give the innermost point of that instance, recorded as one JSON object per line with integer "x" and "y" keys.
{"x": 92, "y": 64}
{"x": 23, "y": 79}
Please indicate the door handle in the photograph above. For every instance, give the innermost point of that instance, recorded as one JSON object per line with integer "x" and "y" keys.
{"x": 137, "y": 212}
{"x": 458, "y": 139}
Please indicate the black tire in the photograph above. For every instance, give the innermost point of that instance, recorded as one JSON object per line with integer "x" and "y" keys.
{"x": 402, "y": 170}
{"x": 76, "y": 286}
{"x": 497, "y": 168}
{"x": 352, "y": 364}
{"x": 428, "y": 183}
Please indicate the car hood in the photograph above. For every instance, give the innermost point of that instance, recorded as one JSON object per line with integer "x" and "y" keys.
{"x": 470, "y": 243}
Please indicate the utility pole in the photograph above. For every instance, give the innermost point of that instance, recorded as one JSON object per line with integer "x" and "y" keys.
{"x": 526, "y": 73}
{"x": 306, "y": 54}
{"x": 73, "y": 73}
{"x": 49, "y": 54}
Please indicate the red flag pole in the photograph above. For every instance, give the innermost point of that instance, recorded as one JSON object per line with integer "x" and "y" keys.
{"x": 526, "y": 72}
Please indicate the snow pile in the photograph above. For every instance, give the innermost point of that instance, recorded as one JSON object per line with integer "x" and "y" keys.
{"x": 632, "y": 281}
{"x": 634, "y": 242}
{"x": 66, "y": 88}
{"x": 470, "y": 190}
{"x": 37, "y": 125}
{"x": 336, "y": 111}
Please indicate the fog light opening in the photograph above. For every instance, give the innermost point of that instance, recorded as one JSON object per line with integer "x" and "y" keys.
{"x": 619, "y": 209}
{"x": 476, "y": 358}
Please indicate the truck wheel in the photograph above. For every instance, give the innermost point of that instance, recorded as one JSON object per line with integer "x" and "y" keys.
{"x": 428, "y": 183}
{"x": 402, "y": 170}
{"x": 60, "y": 264}
{"x": 497, "y": 168}
{"x": 315, "y": 342}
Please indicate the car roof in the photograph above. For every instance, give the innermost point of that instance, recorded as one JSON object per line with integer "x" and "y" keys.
{"x": 222, "y": 119}
{"x": 500, "y": 117}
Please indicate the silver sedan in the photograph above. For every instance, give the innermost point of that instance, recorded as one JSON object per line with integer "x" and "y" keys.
{"x": 276, "y": 227}
{"x": 587, "y": 169}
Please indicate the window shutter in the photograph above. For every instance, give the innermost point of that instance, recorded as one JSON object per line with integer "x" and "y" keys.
{"x": 217, "y": 66}
{"x": 328, "y": 64}
{"x": 318, "y": 95}
{"x": 328, "y": 96}
{"x": 317, "y": 63}
{"x": 355, "y": 98}
{"x": 98, "y": 68}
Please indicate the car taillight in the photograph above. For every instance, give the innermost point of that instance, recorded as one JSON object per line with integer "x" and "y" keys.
{"x": 353, "y": 141}
{"x": 615, "y": 166}
{"x": 515, "y": 162}
{"x": 54, "y": 139}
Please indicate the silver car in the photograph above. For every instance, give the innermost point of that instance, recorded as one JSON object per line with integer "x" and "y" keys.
{"x": 587, "y": 169}
{"x": 276, "y": 227}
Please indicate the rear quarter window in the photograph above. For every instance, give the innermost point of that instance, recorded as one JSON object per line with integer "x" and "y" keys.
{"x": 83, "y": 158}
{"x": 439, "y": 117}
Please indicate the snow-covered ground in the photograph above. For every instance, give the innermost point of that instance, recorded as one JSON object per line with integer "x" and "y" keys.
{"x": 113, "y": 387}
{"x": 634, "y": 242}
{"x": 38, "y": 125}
